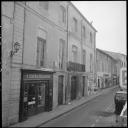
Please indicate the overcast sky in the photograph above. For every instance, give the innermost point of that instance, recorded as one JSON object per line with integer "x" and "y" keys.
{"x": 109, "y": 19}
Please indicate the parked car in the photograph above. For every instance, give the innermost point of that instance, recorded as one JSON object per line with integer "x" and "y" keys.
{"x": 120, "y": 100}
{"x": 123, "y": 116}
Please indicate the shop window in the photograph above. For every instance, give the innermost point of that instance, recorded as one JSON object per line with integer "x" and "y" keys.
{"x": 41, "y": 95}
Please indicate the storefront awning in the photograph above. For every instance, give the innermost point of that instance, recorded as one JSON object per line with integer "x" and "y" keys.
{"x": 39, "y": 69}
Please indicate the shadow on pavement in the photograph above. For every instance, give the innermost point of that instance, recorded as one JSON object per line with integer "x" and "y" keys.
{"x": 104, "y": 113}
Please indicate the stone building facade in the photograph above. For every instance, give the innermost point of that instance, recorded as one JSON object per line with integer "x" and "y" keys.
{"x": 106, "y": 69}
{"x": 81, "y": 54}
{"x": 54, "y": 55}
{"x": 121, "y": 61}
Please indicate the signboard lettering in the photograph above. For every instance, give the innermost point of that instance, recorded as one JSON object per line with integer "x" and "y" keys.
{"x": 35, "y": 76}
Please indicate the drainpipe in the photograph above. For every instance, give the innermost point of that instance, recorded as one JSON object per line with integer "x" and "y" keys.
{"x": 23, "y": 35}
{"x": 66, "y": 89}
{"x": 81, "y": 38}
{"x": 8, "y": 123}
{"x": 95, "y": 60}
{"x": 81, "y": 89}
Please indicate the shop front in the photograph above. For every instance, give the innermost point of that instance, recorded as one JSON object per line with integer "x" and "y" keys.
{"x": 106, "y": 80}
{"x": 114, "y": 79}
{"x": 36, "y": 94}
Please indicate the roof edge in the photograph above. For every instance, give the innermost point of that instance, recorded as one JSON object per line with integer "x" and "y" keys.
{"x": 82, "y": 16}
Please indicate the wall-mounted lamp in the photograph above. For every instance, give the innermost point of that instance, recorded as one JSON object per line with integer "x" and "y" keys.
{"x": 16, "y": 48}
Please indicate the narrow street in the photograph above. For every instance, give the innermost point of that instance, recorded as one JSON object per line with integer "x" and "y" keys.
{"x": 62, "y": 69}
{"x": 91, "y": 114}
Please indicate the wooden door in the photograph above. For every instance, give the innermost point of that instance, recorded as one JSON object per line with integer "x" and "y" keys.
{"x": 73, "y": 87}
{"x": 83, "y": 93}
{"x": 60, "y": 90}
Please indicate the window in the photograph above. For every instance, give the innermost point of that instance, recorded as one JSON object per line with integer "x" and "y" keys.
{"x": 102, "y": 67}
{"x": 84, "y": 57}
{"x": 74, "y": 53}
{"x": 61, "y": 53}
{"x": 44, "y": 4}
{"x": 63, "y": 14}
{"x": 84, "y": 33}
{"x": 41, "y": 49}
{"x": 75, "y": 24}
{"x": 90, "y": 37}
{"x": 91, "y": 63}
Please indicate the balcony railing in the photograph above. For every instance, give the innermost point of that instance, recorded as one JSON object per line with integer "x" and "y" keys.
{"x": 71, "y": 66}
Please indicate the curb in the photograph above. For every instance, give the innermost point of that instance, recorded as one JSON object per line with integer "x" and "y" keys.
{"x": 57, "y": 115}
{"x": 93, "y": 97}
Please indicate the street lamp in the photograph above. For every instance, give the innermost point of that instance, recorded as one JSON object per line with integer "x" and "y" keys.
{"x": 16, "y": 48}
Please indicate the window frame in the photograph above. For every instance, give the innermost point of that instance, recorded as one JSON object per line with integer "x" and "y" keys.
{"x": 75, "y": 24}
{"x": 41, "y": 54}
{"x": 84, "y": 32}
{"x": 74, "y": 53}
{"x": 63, "y": 14}
{"x": 61, "y": 53}
{"x": 91, "y": 37}
{"x": 84, "y": 55}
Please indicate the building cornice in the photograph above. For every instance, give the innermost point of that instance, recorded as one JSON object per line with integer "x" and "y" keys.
{"x": 45, "y": 19}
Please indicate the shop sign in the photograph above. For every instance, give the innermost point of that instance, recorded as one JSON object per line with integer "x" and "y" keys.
{"x": 32, "y": 102}
{"x": 35, "y": 76}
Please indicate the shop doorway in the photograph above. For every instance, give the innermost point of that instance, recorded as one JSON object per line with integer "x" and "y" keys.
{"x": 36, "y": 97}
{"x": 83, "y": 92}
{"x": 36, "y": 93}
{"x": 98, "y": 83}
{"x": 60, "y": 90}
{"x": 73, "y": 87}
{"x": 31, "y": 98}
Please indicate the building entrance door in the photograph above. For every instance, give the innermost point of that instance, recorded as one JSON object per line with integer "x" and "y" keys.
{"x": 36, "y": 93}
{"x": 41, "y": 97}
{"x": 98, "y": 83}
{"x": 73, "y": 87}
{"x": 83, "y": 92}
{"x": 37, "y": 97}
{"x": 60, "y": 90}
{"x": 31, "y": 98}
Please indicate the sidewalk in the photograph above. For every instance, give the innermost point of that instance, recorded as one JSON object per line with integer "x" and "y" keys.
{"x": 39, "y": 119}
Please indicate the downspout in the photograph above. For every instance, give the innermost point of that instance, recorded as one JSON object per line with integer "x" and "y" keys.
{"x": 66, "y": 89}
{"x": 95, "y": 60}
{"x": 23, "y": 35}
{"x": 11, "y": 65}
{"x": 81, "y": 41}
{"x": 81, "y": 89}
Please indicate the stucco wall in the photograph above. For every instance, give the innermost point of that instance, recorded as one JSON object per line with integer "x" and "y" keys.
{"x": 33, "y": 23}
